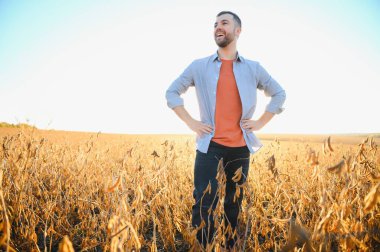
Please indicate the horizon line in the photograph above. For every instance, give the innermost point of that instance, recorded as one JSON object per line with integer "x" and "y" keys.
{"x": 375, "y": 134}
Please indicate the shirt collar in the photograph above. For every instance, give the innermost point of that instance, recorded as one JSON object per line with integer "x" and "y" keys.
{"x": 215, "y": 56}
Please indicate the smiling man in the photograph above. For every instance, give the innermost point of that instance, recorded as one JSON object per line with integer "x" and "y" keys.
{"x": 226, "y": 86}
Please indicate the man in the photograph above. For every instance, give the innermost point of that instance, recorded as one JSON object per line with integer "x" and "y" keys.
{"x": 226, "y": 85}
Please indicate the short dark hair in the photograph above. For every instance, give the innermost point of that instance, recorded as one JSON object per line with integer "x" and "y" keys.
{"x": 236, "y": 17}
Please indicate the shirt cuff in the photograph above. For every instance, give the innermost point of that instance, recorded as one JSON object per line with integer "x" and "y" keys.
{"x": 274, "y": 109}
{"x": 175, "y": 102}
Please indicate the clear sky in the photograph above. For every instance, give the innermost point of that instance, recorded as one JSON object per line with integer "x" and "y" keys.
{"x": 105, "y": 65}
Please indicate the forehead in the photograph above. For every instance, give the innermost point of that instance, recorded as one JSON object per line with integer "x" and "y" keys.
{"x": 228, "y": 17}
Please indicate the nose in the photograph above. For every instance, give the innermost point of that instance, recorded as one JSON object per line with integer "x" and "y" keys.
{"x": 217, "y": 26}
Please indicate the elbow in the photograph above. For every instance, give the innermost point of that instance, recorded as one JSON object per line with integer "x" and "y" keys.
{"x": 283, "y": 96}
{"x": 282, "y": 101}
{"x": 167, "y": 94}
{"x": 277, "y": 102}
{"x": 173, "y": 99}
{"x": 280, "y": 96}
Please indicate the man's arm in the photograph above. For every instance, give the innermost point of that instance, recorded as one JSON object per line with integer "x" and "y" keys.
{"x": 254, "y": 125}
{"x": 175, "y": 101}
{"x": 178, "y": 87}
{"x": 271, "y": 88}
{"x": 196, "y": 126}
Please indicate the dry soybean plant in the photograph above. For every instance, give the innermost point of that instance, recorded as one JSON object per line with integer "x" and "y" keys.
{"x": 98, "y": 192}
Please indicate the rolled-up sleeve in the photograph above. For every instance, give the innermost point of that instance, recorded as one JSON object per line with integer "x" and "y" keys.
{"x": 271, "y": 88}
{"x": 179, "y": 86}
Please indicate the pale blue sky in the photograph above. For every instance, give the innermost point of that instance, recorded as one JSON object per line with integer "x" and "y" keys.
{"x": 105, "y": 65}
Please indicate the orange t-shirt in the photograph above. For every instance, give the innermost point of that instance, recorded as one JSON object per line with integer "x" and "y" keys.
{"x": 228, "y": 109}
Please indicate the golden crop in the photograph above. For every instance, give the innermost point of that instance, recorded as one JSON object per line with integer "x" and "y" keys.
{"x": 100, "y": 192}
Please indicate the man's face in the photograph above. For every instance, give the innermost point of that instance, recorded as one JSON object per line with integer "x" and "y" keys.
{"x": 225, "y": 30}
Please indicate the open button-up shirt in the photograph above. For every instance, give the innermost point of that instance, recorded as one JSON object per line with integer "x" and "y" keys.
{"x": 203, "y": 74}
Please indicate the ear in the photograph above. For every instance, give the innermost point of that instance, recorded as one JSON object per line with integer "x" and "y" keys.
{"x": 238, "y": 31}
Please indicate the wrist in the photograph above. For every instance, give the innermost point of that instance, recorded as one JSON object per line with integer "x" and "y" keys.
{"x": 188, "y": 120}
{"x": 261, "y": 123}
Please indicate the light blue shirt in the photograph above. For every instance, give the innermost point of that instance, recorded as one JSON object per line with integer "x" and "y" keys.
{"x": 203, "y": 74}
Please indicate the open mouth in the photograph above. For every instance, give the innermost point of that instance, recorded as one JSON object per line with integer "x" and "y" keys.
{"x": 219, "y": 35}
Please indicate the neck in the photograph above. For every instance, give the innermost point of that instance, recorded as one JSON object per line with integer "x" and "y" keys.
{"x": 229, "y": 52}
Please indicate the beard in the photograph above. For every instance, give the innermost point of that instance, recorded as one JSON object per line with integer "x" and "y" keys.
{"x": 228, "y": 38}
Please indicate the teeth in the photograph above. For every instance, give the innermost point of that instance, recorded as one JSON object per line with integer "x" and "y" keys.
{"x": 219, "y": 34}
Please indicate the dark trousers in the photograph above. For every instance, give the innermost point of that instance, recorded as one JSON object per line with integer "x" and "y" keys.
{"x": 205, "y": 172}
